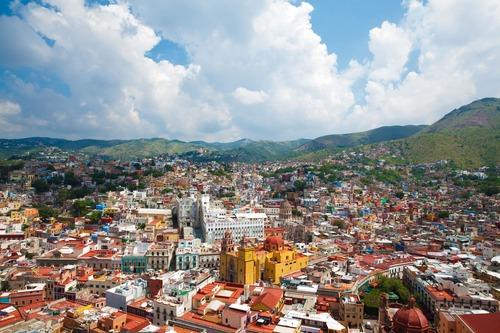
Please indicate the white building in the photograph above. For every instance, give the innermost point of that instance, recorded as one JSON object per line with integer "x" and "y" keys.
{"x": 187, "y": 212}
{"x": 119, "y": 296}
{"x": 241, "y": 224}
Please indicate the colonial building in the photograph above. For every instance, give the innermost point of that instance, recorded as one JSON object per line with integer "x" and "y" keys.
{"x": 252, "y": 263}
{"x": 159, "y": 255}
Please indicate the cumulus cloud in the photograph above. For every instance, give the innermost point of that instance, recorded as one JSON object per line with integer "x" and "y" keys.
{"x": 458, "y": 60}
{"x": 8, "y": 109}
{"x": 268, "y": 45}
{"x": 256, "y": 68}
{"x": 246, "y": 96}
{"x": 115, "y": 91}
{"x": 390, "y": 47}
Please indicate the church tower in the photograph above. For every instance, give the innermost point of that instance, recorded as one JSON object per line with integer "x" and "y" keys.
{"x": 227, "y": 264}
{"x": 227, "y": 242}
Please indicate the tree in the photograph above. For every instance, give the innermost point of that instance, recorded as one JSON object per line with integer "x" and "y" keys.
{"x": 29, "y": 255}
{"x": 71, "y": 179}
{"x": 63, "y": 195}
{"x": 83, "y": 207}
{"x": 299, "y": 185}
{"x": 40, "y": 185}
{"x": 444, "y": 214}
{"x": 4, "y": 286}
{"x": 94, "y": 216}
{"x": 45, "y": 211}
{"x": 386, "y": 285}
{"x": 372, "y": 299}
{"x": 56, "y": 180}
{"x": 339, "y": 223}
{"x": 79, "y": 192}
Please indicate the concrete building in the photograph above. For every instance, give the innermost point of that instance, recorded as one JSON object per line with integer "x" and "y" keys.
{"x": 448, "y": 320}
{"x": 187, "y": 212}
{"x": 443, "y": 286}
{"x": 351, "y": 310}
{"x": 241, "y": 225}
{"x": 119, "y": 296}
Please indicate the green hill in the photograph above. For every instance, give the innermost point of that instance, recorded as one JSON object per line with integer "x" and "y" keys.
{"x": 266, "y": 150}
{"x": 385, "y": 133}
{"x": 142, "y": 148}
{"x": 469, "y": 136}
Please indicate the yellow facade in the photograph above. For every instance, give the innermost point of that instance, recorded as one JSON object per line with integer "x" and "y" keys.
{"x": 239, "y": 267}
{"x": 249, "y": 265}
{"x": 281, "y": 263}
{"x": 15, "y": 215}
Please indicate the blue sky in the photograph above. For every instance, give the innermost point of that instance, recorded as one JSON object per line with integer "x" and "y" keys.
{"x": 225, "y": 70}
{"x": 342, "y": 24}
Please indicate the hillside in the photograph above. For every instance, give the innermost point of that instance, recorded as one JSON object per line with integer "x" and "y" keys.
{"x": 469, "y": 136}
{"x": 11, "y": 147}
{"x": 266, "y": 150}
{"x": 142, "y": 148}
{"x": 385, "y": 133}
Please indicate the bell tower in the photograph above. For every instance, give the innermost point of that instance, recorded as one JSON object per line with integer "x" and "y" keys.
{"x": 227, "y": 245}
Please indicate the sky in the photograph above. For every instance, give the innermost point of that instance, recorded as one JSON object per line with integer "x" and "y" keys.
{"x": 221, "y": 70}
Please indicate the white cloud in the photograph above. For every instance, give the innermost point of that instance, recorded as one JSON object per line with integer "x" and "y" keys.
{"x": 32, "y": 51}
{"x": 269, "y": 46}
{"x": 441, "y": 55}
{"x": 458, "y": 61}
{"x": 8, "y": 110}
{"x": 390, "y": 47}
{"x": 115, "y": 91}
{"x": 246, "y": 96}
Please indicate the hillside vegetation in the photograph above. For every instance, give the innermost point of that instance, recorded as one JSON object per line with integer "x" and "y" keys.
{"x": 469, "y": 136}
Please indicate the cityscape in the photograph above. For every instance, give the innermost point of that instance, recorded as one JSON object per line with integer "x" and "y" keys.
{"x": 156, "y": 192}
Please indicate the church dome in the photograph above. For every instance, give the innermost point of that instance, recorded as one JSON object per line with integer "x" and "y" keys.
{"x": 410, "y": 319}
{"x": 274, "y": 240}
{"x": 273, "y": 243}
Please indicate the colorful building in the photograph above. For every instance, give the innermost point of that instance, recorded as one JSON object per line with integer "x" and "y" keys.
{"x": 250, "y": 264}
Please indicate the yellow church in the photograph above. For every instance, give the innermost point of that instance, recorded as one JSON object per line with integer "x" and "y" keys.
{"x": 250, "y": 264}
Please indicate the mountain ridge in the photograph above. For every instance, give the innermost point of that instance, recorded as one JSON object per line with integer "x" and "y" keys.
{"x": 469, "y": 135}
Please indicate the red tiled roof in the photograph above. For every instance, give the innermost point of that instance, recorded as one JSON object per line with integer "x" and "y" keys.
{"x": 270, "y": 298}
{"x": 194, "y": 318}
{"x": 27, "y": 309}
{"x": 98, "y": 253}
{"x": 11, "y": 317}
{"x": 480, "y": 323}
{"x": 63, "y": 305}
{"x": 135, "y": 323}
